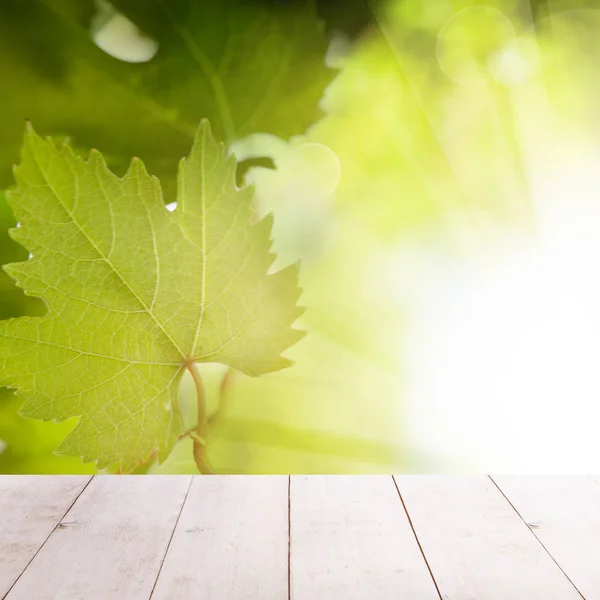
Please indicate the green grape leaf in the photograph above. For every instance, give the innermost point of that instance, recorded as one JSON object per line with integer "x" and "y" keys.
{"x": 256, "y": 66}
{"x": 136, "y": 293}
{"x": 26, "y": 445}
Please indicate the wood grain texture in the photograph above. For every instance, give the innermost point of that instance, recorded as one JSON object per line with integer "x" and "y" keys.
{"x": 30, "y": 508}
{"x": 351, "y": 539}
{"x": 231, "y": 542}
{"x": 136, "y": 538}
{"x": 564, "y": 514}
{"x": 476, "y": 544}
{"x": 110, "y": 545}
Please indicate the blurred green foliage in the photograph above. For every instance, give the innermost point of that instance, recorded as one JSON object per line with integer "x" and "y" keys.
{"x": 246, "y": 66}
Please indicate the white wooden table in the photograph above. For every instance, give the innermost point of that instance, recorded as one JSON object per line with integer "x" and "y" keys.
{"x": 305, "y": 538}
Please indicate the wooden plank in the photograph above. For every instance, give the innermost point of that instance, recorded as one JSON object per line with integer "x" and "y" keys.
{"x": 30, "y": 508}
{"x": 110, "y": 545}
{"x": 564, "y": 514}
{"x": 350, "y": 539}
{"x": 231, "y": 542}
{"x": 476, "y": 544}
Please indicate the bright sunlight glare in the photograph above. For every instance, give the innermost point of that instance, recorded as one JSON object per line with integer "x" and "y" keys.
{"x": 504, "y": 351}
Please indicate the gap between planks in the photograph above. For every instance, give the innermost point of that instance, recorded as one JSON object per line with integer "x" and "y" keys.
{"x": 231, "y": 542}
{"x": 531, "y": 529}
{"x": 29, "y": 546}
{"x": 109, "y": 544}
{"x": 437, "y": 589}
{"x": 476, "y": 544}
{"x": 351, "y": 539}
{"x": 162, "y": 562}
{"x": 563, "y": 513}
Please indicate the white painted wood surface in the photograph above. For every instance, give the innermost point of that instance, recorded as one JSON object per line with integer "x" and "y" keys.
{"x": 228, "y": 537}
{"x": 30, "y": 509}
{"x": 476, "y": 544}
{"x": 110, "y": 545}
{"x": 231, "y": 542}
{"x": 351, "y": 540}
{"x": 564, "y": 514}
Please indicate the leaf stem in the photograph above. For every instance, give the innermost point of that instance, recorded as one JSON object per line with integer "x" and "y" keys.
{"x": 199, "y": 434}
{"x": 224, "y": 389}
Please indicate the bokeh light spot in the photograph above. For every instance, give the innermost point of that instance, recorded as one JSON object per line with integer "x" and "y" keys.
{"x": 516, "y": 63}
{"x": 469, "y": 42}
{"x": 116, "y": 35}
{"x": 312, "y": 170}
